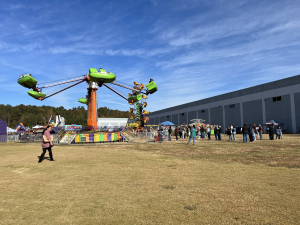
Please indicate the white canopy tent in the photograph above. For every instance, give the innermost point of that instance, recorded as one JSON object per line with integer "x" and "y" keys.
{"x": 10, "y": 130}
{"x": 38, "y": 127}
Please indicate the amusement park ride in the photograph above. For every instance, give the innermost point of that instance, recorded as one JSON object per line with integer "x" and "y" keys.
{"x": 95, "y": 79}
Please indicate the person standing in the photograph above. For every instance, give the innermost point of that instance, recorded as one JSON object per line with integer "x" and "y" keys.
{"x": 260, "y": 131}
{"x": 234, "y": 133}
{"x": 245, "y": 133}
{"x": 229, "y": 133}
{"x": 170, "y": 132}
{"x": 278, "y": 133}
{"x": 219, "y": 133}
{"x": 250, "y": 132}
{"x": 176, "y": 133}
{"x": 193, "y": 135}
{"x": 254, "y": 132}
{"x": 198, "y": 132}
{"x": 208, "y": 132}
{"x": 216, "y": 132}
{"x": 180, "y": 132}
{"x": 202, "y": 130}
{"x": 271, "y": 133}
{"x": 183, "y": 132}
{"x": 46, "y": 144}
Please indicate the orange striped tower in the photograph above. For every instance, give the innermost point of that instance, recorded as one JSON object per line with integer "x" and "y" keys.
{"x": 92, "y": 104}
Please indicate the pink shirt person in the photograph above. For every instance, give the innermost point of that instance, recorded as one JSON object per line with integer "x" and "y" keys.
{"x": 48, "y": 137}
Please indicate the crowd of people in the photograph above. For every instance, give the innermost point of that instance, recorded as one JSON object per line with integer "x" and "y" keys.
{"x": 250, "y": 132}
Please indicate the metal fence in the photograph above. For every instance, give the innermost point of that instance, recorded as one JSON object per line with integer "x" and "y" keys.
{"x": 145, "y": 136}
{"x": 13, "y": 138}
{"x": 27, "y": 138}
{"x": 3, "y": 138}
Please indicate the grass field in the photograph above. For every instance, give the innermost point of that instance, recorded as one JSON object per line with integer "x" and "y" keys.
{"x": 167, "y": 183}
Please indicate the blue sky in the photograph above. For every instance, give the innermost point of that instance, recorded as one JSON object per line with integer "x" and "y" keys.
{"x": 193, "y": 49}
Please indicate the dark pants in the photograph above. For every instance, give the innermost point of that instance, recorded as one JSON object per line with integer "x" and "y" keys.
{"x": 260, "y": 135}
{"x": 208, "y": 135}
{"x": 176, "y": 135}
{"x": 44, "y": 152}
{"x": 250, "y": 137}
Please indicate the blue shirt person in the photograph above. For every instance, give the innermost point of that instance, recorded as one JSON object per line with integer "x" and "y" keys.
{"x": 193, "y": 135}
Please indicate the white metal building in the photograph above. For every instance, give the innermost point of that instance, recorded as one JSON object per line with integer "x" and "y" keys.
{"x": 278, "y": 100}
{"x": 111, "y": 122}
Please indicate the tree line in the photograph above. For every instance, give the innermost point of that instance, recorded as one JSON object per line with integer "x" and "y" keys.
{"x": 31, "y": 115}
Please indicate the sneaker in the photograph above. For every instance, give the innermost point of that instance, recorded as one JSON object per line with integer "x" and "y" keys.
{"x": 52, "y": 160}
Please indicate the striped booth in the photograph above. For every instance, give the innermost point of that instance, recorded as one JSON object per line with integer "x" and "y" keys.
{"x": 97, "y": 137}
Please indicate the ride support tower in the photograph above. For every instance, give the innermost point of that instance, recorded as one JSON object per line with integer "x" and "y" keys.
{"x": 92, "y": 105}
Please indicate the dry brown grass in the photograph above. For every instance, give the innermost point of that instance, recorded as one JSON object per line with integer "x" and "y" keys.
{"x": 167, "y": 183}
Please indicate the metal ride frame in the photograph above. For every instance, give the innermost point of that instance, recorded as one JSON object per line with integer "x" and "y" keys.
{"x": 92, "y": 88}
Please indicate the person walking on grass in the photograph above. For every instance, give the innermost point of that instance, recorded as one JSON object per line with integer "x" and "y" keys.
{"x": 260, "y": 130}
{"x": 176, "y": 133}
{"x": 193, "y": 135}
{"x": 46, "y": 144}
{"x": 245, "y": 133}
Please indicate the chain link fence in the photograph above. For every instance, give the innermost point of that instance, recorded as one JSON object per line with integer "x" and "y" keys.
{"x": 3, "y": 138}
{"x": 27, "y": 138}
{"x": 13, "y": 138}
{"x": 147, "y": 136}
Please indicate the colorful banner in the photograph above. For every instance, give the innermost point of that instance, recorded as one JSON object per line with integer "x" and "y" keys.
{"x": 73, "y": 127}
{"x": 97, "y": 137}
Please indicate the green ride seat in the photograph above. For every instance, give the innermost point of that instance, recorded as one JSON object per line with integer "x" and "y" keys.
{"x": 26, "y": 80}
{"x": 135, "y": 98}
{"x": 82, "y": 100}
{"x": 36, "y": 94}
{"x": 101, "y": 75}
{"x": 151, "y": 87}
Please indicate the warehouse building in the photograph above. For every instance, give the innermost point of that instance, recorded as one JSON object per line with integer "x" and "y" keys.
{"x": 278, "y": 100}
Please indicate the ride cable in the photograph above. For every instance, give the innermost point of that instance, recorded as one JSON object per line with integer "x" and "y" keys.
{"x": 72, "y": 85}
